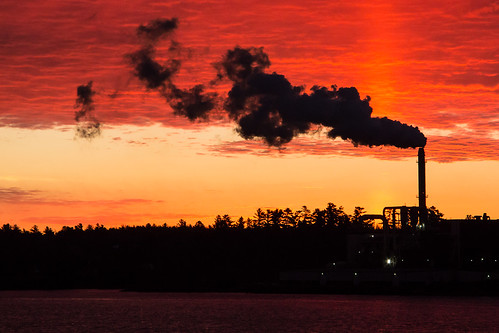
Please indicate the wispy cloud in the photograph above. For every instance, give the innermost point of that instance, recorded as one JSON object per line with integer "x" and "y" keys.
{"x": 18, "y": 195}
{"x": 440, "y": 148}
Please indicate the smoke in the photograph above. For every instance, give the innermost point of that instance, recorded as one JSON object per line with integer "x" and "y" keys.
{"x": 157, "y": 29}
{"x": 266, "y": 105}
{"x": 87, "y": 125}
{"x": 193, "y": 103}
{"x": 153, "y": 74}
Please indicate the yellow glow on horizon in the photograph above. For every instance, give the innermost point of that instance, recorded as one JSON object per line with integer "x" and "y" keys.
{"x": 136, "y": 175}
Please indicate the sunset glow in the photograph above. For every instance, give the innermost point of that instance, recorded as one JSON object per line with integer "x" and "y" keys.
{"x": 430, "y": 64}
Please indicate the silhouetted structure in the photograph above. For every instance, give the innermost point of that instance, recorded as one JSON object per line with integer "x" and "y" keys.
{"x": 413, "y": 249}
{"x": 423, "y": 214}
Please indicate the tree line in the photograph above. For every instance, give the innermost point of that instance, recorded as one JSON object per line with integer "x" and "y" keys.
{"x": 331, "y": 217}
{"x": 226, "y": 255}
{"x": 229, "y": 254}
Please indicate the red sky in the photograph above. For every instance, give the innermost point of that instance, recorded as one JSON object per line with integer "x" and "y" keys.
{"x": 431, "y": 64}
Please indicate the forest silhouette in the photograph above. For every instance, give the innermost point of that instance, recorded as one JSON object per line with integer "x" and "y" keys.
{"x": 228, "y": 255}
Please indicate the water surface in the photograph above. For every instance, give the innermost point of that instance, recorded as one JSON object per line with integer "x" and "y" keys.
{"x": 115, "y": 311}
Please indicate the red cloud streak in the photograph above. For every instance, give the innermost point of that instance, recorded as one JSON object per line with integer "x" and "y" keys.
{"x": 432, "y": 64}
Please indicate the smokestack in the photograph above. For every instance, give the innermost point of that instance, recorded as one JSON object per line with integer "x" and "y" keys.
{"x": 423, "y": 214}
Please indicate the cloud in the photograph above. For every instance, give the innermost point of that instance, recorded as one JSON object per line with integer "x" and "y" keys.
{"x": 16, "y": 195}
{"x": 415, "y": 59}
{"x": 306, "y": 146}
{"x": 463, "y": 146}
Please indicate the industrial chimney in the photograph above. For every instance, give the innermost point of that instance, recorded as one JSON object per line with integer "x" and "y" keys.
{"x": 423, "y": 213}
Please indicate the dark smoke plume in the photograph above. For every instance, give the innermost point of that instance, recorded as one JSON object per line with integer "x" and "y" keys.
{"x": 87, "y": 125}
{"x": 267, "y": 105}
{"x": 192, "y": 103}
{"x": 157, "y": 29}
{"x": 153, "y": 74}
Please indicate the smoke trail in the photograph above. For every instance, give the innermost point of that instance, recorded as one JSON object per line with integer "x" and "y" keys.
{"x": 157, "y": 29}
{"x": 266, "y": 105}
{"x": 87, "y": 125}
{"x": 193, "y": 103}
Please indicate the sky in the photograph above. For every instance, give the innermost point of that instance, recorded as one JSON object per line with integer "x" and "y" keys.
{"x": 433, "y": 65}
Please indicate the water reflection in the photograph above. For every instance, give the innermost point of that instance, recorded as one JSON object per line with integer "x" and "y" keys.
{"x": 114, "y": 311}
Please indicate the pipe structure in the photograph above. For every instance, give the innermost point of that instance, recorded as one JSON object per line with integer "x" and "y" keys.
{"x": 423, "y": 213}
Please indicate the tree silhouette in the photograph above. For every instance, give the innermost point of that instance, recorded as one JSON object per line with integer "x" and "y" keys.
{"x": 289, "y": 218}
{"x": 335, "y": 216}
{"x": 357, "y": 222}
{"x": 199, "y": 225}
{"x": 182, "y": 223}
{"x": 48, "y": 231}
{"x": 222, "y": 222}
{"x": 434, "y": 215}
{"x": 305, "y": 217}
{"x": 275, "y": 218}
{"x": 260, "y": 219}
{"x": 240, "y": 223}
{"x": 319, "y": 218}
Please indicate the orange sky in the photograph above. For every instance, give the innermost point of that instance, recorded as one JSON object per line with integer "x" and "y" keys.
{"x": 431, "y": 64}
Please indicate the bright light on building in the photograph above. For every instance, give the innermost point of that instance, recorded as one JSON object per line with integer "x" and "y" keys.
{"x": 390, "y": 261}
